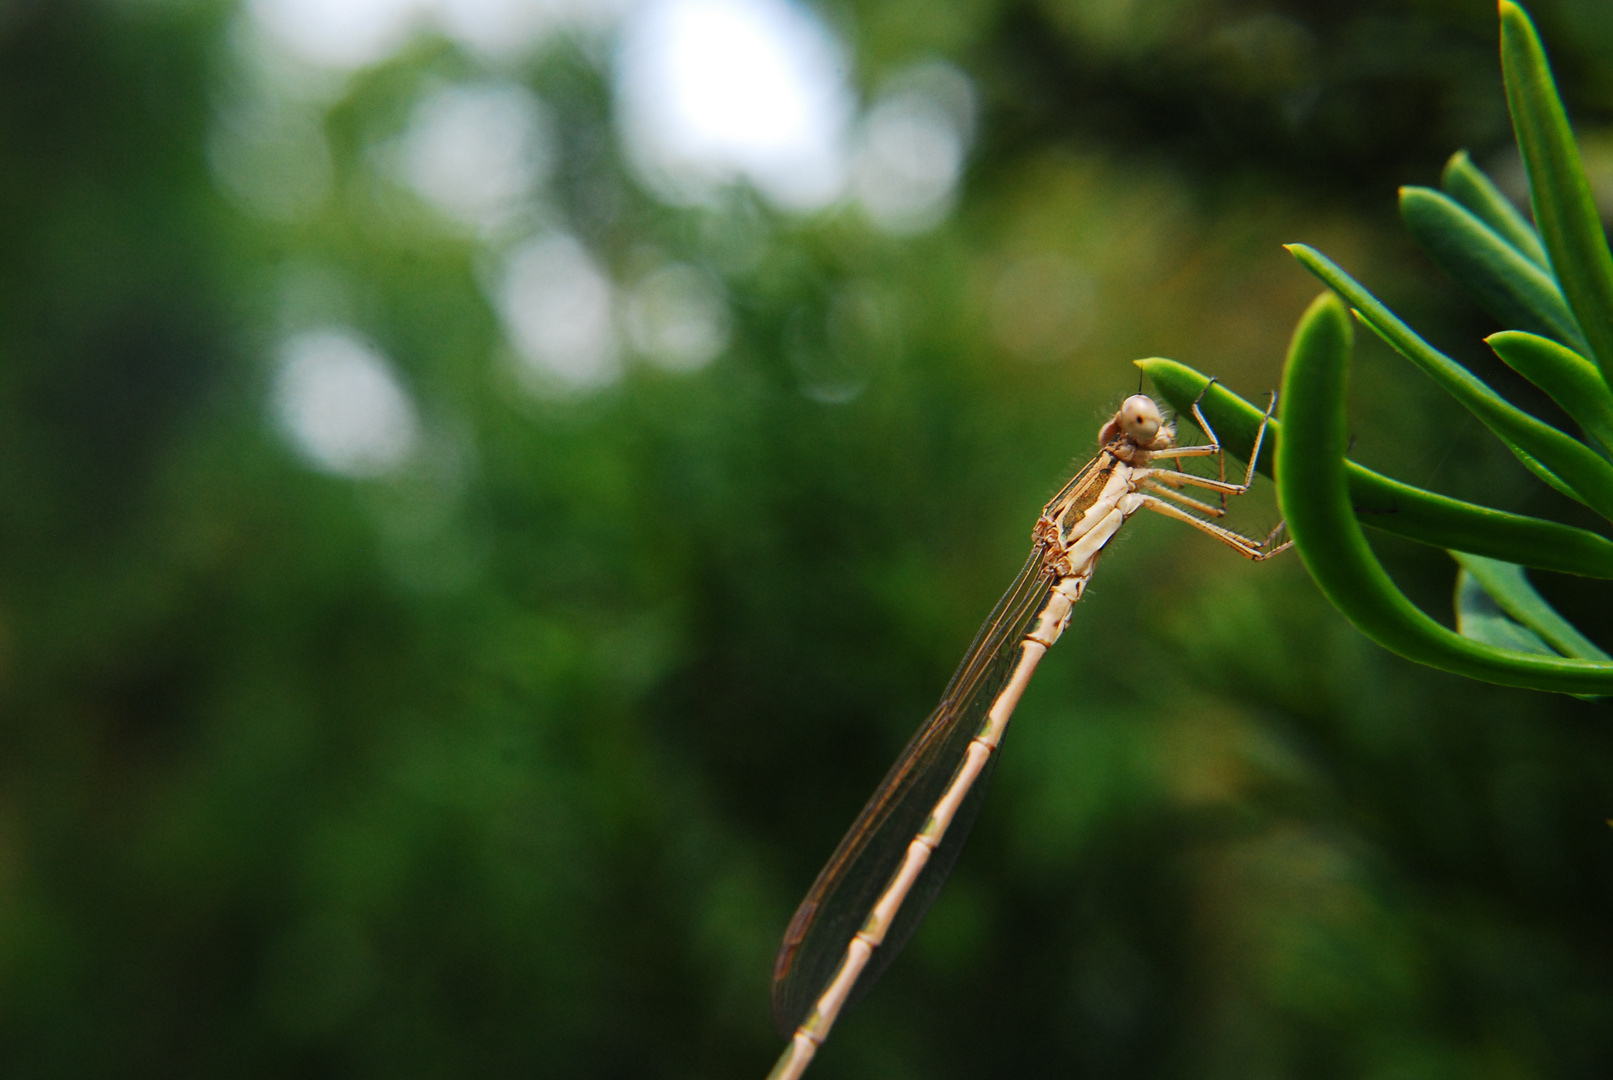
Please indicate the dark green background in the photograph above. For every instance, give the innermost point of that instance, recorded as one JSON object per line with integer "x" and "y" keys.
{"x": 277, "y": 800}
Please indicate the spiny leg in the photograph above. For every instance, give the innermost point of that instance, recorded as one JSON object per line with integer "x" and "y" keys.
{"x": 1275, "y": 531}
{"x": 1260, "y": 437}
{"x": 1204, "y": 426}
{"x": 1215, "y": 443}
{"x": 1161, "y": 482}
{"x": 1249, "y": 549}
{"x": 1174, "y": 478}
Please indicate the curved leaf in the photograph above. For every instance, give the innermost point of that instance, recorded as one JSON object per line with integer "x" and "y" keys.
{"x": 1564, "y": 209}
{"x": 1390, "y": 505}
{"x": 1515, "y": 290}
{"x": 1313, "y": 488}
{"x": 1557, "y": 458}
{"x": 1467, "y": 184}
{"x": 1481, "y": 619}
{"x": 1567, "y": 377}
{"x": 1507, "y": 585}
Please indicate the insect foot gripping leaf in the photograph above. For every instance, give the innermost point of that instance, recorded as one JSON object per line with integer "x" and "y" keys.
{"x": 1389, "y": 505}
{"x": 1553, "y": 291}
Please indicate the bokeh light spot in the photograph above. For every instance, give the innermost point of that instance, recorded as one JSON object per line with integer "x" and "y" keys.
{"x": 337, "y": 399}
{"x": 712, "y": 91}
{"x": 911, "y": 148}
{"x": 557, "y": 307}
{"x": 272, "y": 157}
{"x": 337, "y": 34}
{"x": 477, "y": 151}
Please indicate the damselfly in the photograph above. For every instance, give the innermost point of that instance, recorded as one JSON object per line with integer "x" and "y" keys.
{"x": 878, "y": 884}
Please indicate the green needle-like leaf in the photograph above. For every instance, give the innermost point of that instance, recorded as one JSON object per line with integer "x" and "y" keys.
{"x": 1509, "y": 587}
{"x": 1313, "y": 488}
{"x": 1390, "y": 505}
{"x": 1564, "y": 208}
{"x": 1467, "y": 184}
{"x": 1515, "y": 290}
{"x": 1567, "y": 377}
{"x": 1558, "y": 458}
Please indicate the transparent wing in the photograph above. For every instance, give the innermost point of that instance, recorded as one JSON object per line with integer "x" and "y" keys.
{"x": 868, "y": 856}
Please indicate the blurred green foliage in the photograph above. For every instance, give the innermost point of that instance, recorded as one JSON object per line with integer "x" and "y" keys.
{"x": 516, "y": 760}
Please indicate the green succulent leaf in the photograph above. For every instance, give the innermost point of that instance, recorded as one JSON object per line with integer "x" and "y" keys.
{"x": 1555, "y": 290}
{"x": 1559, "y": 459}
{"x": 1509, "y": 591}
{"x": 1313, "y": 488}
{"x": 1509, "y": 285}
{"x": 1390, "y": 505}
{"x": 1467, "y": 184}
{"x": 1567, "y": 377}
{"x": 1564, "y": 208}
{"x": 1481, "y": 619}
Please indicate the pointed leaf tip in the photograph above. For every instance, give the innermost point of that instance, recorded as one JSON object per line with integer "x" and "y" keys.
{"x": 1565, "y": 210}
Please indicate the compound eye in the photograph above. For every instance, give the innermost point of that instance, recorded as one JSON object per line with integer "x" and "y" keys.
{"x": 1140, "y": 418}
